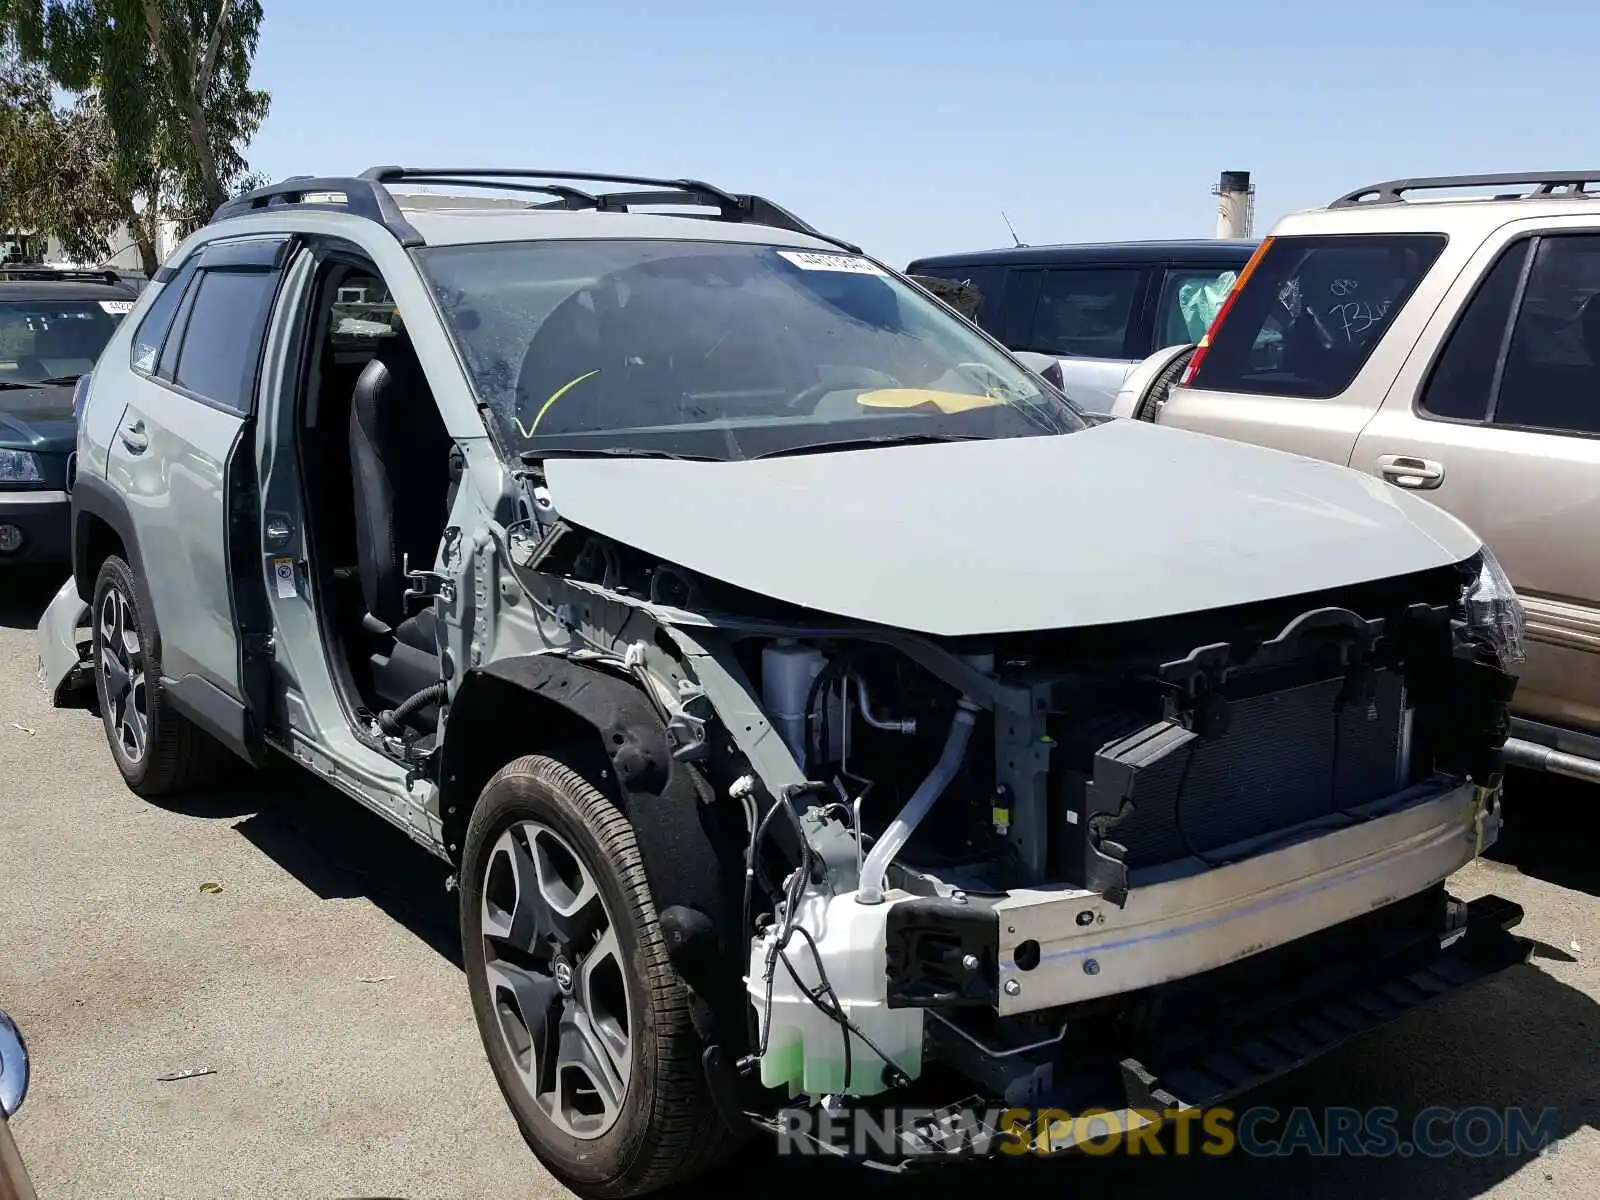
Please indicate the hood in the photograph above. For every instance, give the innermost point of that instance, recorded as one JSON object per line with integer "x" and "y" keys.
{"x": 1122, "y": 521}
{"x": 38, "y": 419}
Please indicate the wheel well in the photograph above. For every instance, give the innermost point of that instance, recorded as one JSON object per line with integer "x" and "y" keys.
{"x": 1156, "y": 392}
{"x": 98, "y": 541}
{"x": 495, "y": 722}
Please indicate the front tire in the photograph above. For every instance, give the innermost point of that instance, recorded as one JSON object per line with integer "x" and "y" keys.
{"x": 585, "y": 1021}
{"x": 158, "y": 751}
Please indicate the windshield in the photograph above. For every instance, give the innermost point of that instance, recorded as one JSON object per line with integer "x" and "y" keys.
{"x": 720, "y": 350}
{"x": 54, "y": 341}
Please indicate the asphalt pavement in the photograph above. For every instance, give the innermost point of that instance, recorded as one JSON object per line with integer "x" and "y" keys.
{"x": 303, "y": 954}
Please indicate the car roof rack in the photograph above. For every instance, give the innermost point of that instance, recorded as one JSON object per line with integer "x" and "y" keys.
{"x": 368, "y": 195}
{"x": 1540, "y": 185}
{"x": 41, "y": 273}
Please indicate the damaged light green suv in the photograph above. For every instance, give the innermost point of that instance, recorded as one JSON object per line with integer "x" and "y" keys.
{"x": 819, "y": 709}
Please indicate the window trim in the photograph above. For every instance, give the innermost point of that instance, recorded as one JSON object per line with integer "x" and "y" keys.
{"x": 167, "y": 362}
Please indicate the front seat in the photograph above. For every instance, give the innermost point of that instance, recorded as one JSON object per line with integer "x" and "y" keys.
{"x": 400, "y": 463}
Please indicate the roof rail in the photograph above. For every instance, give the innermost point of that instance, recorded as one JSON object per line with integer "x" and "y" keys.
{"x": 41, "y": 273}
{"x": 369, "y": 196}
{"x": 362, "y": 198}
{"x": 1545, "y": 185}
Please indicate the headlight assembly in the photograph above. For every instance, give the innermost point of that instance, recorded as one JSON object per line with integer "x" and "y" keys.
{"x": 1494, "y": 612}
{"x": 18, "y": 466}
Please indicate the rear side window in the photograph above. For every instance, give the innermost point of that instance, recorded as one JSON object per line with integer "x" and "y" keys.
{"x": 222, "y": 340}
{"x": 157, "y": 322}
{"x": 1085, "y": 312}
{"x": 1312, "y": 312}
{"x": 1191, "y": 298}
{"x": 1551, "y": 379}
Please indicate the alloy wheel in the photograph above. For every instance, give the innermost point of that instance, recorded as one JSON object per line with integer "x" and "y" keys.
{"x": 556, "y": 980}
{"x": 122, "y": 673}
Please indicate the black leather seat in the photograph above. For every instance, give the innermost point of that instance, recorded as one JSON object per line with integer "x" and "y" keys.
{"x": 400, "y": 463}
{"x": 400, "y": 457}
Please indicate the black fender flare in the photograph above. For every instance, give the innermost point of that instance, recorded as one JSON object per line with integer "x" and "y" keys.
{"x": 94, "y": 498}
{"x": 220, "y": 712}
{"x": 691, "y": 846}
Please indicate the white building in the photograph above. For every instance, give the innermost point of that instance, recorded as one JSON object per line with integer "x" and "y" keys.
{"x": 123, "y": 258}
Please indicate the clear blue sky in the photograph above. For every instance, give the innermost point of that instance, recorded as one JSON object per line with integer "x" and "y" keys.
{"x": 907, "y": 127}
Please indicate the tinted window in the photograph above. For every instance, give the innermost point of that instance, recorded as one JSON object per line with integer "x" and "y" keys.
{"x": 1312, "y": 312}
{"x": 1552, "y": 372}
{"x": 957, "y": 293}
{"x": 157, "y": 322}
{"x": 222, "y": 341}
{"x": 1463, "y": 378}
{"x": 1191, "y": 297}
{"x": 1084, "y": 312}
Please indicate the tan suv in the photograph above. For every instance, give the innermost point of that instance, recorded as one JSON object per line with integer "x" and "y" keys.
{"x": 1448, "y": 343}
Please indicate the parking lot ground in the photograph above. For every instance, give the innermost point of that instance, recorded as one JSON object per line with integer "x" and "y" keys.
{"x": 304, "y": 952}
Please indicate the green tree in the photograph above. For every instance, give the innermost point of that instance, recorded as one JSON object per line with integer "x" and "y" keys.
{"x": 170, "y": 80}
{"x": 57, "y": 165}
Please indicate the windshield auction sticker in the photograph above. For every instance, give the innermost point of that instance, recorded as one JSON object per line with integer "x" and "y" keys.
{"x": 850, "y": 264}
{"x": 117, "y": 307}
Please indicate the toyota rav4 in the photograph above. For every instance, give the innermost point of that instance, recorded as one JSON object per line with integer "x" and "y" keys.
{"x": 818, "y": 707}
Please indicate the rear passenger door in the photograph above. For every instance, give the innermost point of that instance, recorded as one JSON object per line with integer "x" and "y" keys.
{"x": 1502, "y": 427}
{"x": 183, "y": 458}
{"x": 1091, "y": 319}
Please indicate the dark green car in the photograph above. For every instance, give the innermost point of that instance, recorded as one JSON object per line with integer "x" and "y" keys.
{"x": 53, "y": 326}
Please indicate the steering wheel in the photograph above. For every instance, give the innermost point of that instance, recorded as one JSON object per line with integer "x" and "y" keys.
{"x": 809, "y": 398}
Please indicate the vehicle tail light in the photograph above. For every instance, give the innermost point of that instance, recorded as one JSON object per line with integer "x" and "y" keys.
{"x": 1222, "y": 313}
{"x": 80, "y": 392}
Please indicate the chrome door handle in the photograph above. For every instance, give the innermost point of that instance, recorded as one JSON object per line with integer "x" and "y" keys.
{"x": 1402, "y": 470}
{"x": 133, "y": 437}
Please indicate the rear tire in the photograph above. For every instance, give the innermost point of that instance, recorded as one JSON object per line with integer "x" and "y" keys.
{"x": 159, "y": 751}
{"x": 584, "y": 1019}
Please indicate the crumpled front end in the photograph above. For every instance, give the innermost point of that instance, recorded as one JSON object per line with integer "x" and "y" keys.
{"x": 1053, "y": 868}
{"x": 1028, "y": 862}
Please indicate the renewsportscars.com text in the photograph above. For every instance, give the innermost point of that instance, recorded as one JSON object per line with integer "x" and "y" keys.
{"x": 1478, "y": 1132}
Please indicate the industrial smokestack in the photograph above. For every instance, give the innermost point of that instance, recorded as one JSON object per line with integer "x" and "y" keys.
{"x": 1236, "y": 204}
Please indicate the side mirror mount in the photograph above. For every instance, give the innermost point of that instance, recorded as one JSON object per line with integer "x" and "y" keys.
{"x": 13, "y": 1066}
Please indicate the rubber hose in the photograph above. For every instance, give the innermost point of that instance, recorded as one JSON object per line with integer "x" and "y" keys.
{"x": 391, "y": 720}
